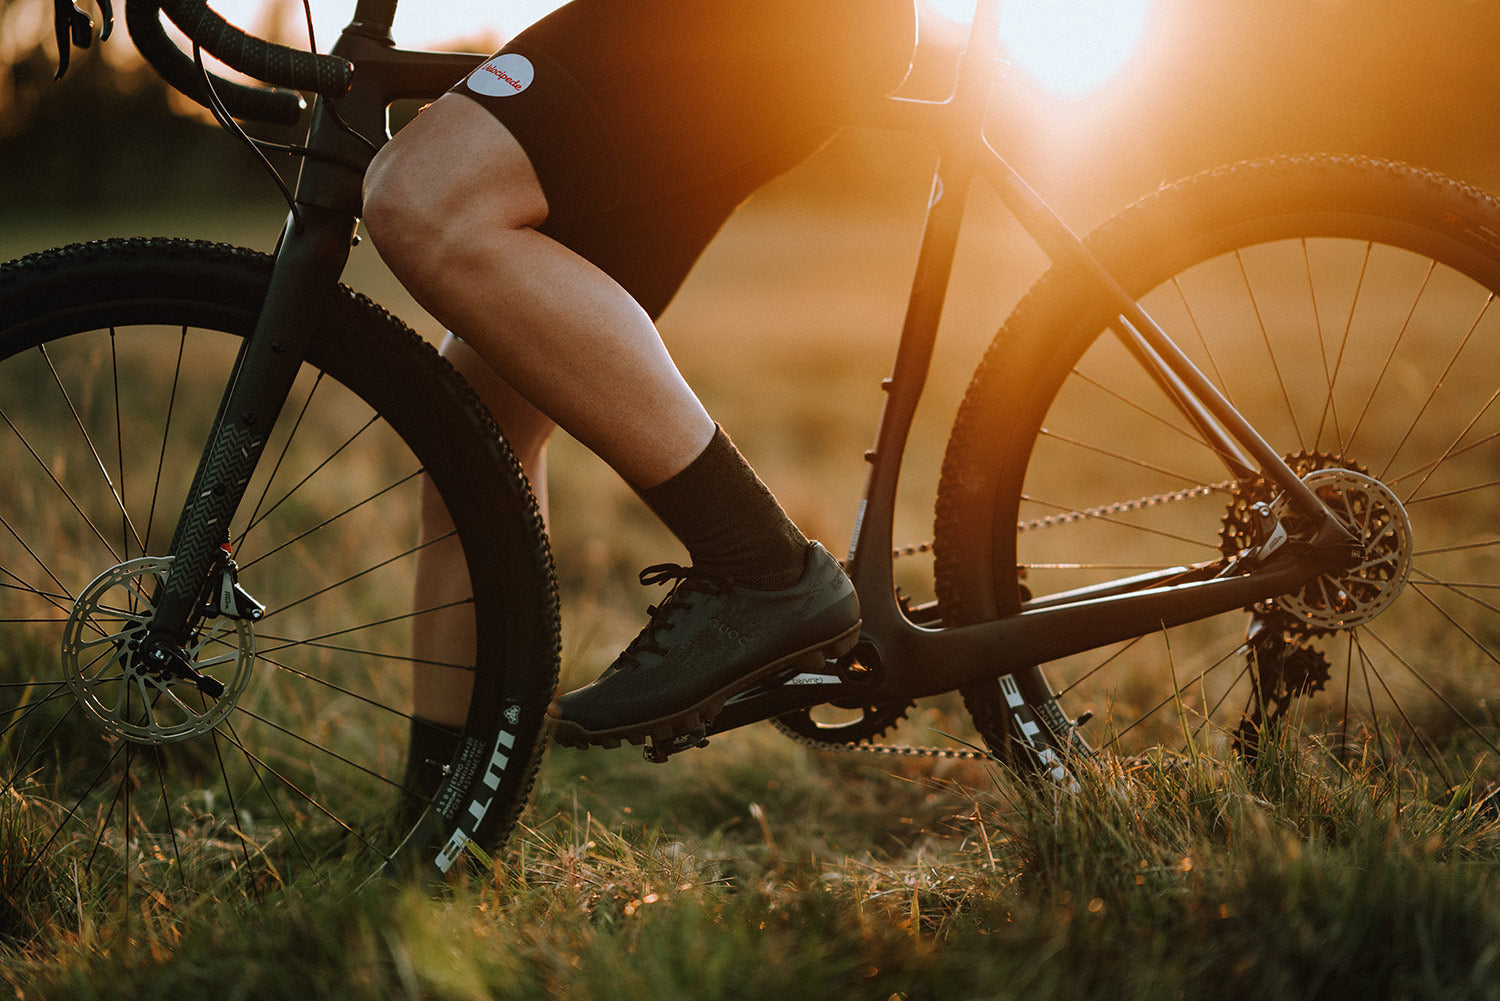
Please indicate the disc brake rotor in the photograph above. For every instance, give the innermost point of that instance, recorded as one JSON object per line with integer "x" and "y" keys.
{"x": 101, "y": 660}
{"x": 1374, "y": 515}
{"x": 1371, "y": 512}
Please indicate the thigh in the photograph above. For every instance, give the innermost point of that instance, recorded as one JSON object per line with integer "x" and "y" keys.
{"x": 648, "y": 122}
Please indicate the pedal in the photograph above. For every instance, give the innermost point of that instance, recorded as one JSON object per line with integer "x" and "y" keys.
{"x": 658, "y": 752}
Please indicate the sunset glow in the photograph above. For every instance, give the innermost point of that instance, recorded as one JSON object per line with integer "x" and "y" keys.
{"x": 1069, "y": 46}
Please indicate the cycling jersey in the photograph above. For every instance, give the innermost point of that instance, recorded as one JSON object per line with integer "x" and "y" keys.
{"x": 648, "y": 121}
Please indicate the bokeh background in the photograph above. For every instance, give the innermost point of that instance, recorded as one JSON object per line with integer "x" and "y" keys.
{"x": 1208, "y": 81}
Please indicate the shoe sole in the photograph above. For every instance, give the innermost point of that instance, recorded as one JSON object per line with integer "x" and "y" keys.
{"x": 664, "y": 729}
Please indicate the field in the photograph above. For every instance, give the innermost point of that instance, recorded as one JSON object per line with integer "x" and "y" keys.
{"x": 757, "y": 867}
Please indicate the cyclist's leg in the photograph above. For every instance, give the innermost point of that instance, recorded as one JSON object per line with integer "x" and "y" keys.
{"x": 453, "y": 204}
{"x": 440, "y": 694}
{"x": 459, "y": 204}
{"x": 580, "y": 348}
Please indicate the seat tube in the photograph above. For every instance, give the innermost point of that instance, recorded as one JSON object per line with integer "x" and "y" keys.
{"x": 869, "y": 550}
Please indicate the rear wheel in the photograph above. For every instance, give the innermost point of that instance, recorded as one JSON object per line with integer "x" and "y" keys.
{"x": 1346, "y": 308}
{"x": 282, "y": 747}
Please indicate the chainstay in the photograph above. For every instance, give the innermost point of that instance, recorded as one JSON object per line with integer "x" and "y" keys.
{"x": 1102, "y": 511}
{"x": 1049, "y": 521}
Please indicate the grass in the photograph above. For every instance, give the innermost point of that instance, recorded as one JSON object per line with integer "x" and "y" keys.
{"x": 757, "y": 868}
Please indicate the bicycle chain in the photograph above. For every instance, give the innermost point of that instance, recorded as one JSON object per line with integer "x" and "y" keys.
{"x": 887, "y": 750}
{"x": 1068, "y": 518}
{"x": 1050, "y": 521}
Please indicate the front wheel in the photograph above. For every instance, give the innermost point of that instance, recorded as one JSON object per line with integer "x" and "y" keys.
{"x": 1346, "y": 308}
{"x": 280, "y": 745}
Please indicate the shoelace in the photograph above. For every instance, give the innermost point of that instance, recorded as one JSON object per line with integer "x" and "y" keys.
{"x": 687, "y": 580}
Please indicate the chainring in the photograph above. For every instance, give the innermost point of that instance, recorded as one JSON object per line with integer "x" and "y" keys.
{"x": 855, "y": 724}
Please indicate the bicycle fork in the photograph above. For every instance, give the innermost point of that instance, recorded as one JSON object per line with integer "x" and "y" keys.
{"x": 310, "y": 258}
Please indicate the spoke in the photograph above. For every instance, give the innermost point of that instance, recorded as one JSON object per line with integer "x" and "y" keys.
{"x": 1431, "y": 393}
{"x": 1423, "y": 741}
{"x": 1142, "y": 409}
{"x": 315, "y": 642}
{"x": 356, "y": 576}
{"x": 1479, "y": 644}
{"x": 1426, "y": 466}
{"x": 1095, "y": 516}
{"x": 1118, "y": 456}
{"x": 161, "y": 776}
{"x": 1213, "y": 363}
{"x": 320, "y": 748}
{"x": 161, "y": 459}
{"x": 286, "y": 446}
{"x": 234, "y": 812}
{"x": 1330, "y": 404}
{"x": 1466, "y": 547}
{"x": 331, "y": 686}
{"x": 114, "y": 370}
{"x": 1390, "y": 357}
{"x": 1176, "y": 695}
{"x": 1343, "y": 757}
{"x": 400, "y": 658}
{"x": 88, "y": 442}
{"x": 1460, "y": 588}
{"x": 1458, "y": 714}
{"x": 256, "y": 766}
{"x": 1265, "y": 337}
{"x": 60, "y": 489}
{"x": 121, "y": 792}
{"x": 78, "y": 805}
{"x": 1458, "y": 492}
{"x": 304, "y": 481}
{"x": 326, "y": 523}
{"x": 1099, "y": 667}
{"x": 1452, "y": 447}
{"x": 289, "y": 784}
{"x": 59, "y": 689}
{"x": 62, "y": 602}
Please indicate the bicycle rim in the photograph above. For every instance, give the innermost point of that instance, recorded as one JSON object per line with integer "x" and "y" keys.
{"x": 141, "y": 788}
{"x": 1347, "y": 309}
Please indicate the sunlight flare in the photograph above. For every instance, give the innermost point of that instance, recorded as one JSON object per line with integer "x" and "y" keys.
{"x": 1069, "y": 46}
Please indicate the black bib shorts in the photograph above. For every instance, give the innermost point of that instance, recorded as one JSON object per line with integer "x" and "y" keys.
{"x": 649, "y": 121}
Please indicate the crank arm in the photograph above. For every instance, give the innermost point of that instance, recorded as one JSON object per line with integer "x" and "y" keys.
{"x": 788, "y": 693}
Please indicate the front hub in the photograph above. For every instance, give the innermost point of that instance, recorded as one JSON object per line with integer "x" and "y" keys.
{"x": 131, "y": 683}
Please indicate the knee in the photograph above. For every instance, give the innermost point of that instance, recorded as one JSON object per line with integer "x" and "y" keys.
{"x": 450, "y": 173}
{"x": 400, "y": 209}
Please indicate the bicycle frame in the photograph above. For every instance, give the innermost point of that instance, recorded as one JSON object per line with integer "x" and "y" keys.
{"x": 906, "y": 655}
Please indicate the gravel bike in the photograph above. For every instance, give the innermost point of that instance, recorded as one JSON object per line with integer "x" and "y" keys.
{"x": 1230, "y": 471}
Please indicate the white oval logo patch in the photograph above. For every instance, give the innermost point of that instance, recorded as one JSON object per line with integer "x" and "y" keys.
{"x": 503, "y": 76}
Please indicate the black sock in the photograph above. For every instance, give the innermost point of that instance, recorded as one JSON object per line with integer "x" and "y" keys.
{"x": 721, "y": 511}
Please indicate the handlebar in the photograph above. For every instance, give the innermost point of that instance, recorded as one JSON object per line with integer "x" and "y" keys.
{"x": 278, "y": 65}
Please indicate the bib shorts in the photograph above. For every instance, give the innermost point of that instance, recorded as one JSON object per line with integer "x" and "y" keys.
{"x": 649, "y": 121}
